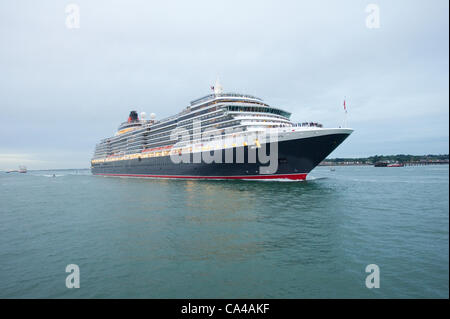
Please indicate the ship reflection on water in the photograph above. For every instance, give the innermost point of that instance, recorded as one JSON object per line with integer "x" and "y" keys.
{"x": 235, "y": 221}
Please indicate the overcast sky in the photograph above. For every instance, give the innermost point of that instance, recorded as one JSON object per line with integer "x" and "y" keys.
{"x": 63, "y": 89}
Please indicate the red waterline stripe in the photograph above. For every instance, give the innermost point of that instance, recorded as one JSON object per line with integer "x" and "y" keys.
{"x": 282, "y": 176}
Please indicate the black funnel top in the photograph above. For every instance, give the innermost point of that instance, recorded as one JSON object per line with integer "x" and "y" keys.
{"x": 133, "y": 116}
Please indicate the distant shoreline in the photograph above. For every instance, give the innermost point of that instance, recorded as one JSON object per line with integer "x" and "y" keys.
{"x": 370, "y": 165}
{"x": 52, "y": 169}
{"x": 411, "y": 160}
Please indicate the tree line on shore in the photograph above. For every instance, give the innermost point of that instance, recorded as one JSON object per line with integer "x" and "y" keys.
{"x": 399, "y": 158}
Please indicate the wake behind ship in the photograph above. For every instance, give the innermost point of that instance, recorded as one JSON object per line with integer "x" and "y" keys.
{"x": 219, "y": 136}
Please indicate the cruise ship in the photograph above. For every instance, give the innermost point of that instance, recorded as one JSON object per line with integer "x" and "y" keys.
{"x": 219, "y": 136}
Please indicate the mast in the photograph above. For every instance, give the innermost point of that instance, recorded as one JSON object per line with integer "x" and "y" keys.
{"x": 218, "y": 89}
{"x": 345, "y": 115}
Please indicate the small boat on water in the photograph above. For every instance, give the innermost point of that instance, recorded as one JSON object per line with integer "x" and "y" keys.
{"x": 386, "y": 164}
{"x": 396, "y": 165}
{"x": 22, "y": 169}
{"x": 380, "y": 164}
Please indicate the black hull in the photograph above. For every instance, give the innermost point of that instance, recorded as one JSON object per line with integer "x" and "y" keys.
{"x": 296, "y": 158}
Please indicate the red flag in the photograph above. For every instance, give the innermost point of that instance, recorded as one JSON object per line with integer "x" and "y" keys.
{"x": 345, "y": 108}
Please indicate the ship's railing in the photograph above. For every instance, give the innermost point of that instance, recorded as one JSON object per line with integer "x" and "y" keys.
{"x": 212, "y": 96}
{"x": 308, "y": 124}
{"x": 167, "y": 119}
{"x": 127, "y": 124}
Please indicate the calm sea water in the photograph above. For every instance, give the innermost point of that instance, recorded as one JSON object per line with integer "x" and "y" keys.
{"x": 226, "y": 239}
